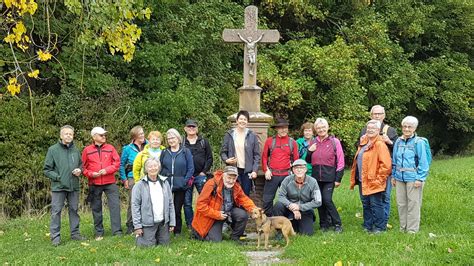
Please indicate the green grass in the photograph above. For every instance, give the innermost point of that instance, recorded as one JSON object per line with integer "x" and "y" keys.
{"x": 447, "y": 212}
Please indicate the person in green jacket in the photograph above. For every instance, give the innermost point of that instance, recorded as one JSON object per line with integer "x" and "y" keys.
{"x": 304, "y": 142}
{"x": 63, "y": 165}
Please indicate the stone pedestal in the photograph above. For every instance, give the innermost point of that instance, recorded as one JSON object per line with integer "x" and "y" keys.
{"x": 259, "y": 123}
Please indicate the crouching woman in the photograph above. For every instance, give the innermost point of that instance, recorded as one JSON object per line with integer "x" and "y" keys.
{"x": 152, "y": 207}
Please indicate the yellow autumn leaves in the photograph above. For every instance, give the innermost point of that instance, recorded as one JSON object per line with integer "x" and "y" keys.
{"x": 23, "y": 6}
{"x": 122, "y": 39}
{"x": 13, "y": 87}
{"x": 18, "y": 36}
{"x": 124, "y": 35}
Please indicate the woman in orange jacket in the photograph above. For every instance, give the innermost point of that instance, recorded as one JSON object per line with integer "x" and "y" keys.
{"x": 221, "y": 200}
{"x": 370, "y": 169}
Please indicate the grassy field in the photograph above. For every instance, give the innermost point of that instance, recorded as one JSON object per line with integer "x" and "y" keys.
{"x": 446, "y": 236}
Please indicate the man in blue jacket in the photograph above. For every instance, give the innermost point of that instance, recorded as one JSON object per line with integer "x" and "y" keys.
{"x": 63, "y": 166}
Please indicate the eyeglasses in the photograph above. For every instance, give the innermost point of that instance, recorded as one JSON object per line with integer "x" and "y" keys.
{"x": 299, "y": 167}
{"x": 101, "y": 135}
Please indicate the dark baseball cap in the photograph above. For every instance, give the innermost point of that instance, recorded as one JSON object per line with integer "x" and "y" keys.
{"x": 191, "y": 122}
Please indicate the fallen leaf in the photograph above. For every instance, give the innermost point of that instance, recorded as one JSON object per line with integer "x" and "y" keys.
{"x": 93, "y": 250}
{"x": 62, "y": 258}
{"x": 157, "y": 260}
{"x": 85, "y": 244}
{"x": 389, "y": 226}
{"x": 339, "y": 263}
{"x": 28, "y": 239}
{"x": 431, "y": 235}
{"x": 25, "y": 234}
{"x": 339, "y": 209}
{"x": 47, "y": 234}
{"x": 450, "y": 250}
{"x": 358, "y": 215}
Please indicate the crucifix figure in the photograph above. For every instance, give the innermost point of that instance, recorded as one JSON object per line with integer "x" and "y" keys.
{"x": 250, "y": 36}
{"x": 251, "y": 53}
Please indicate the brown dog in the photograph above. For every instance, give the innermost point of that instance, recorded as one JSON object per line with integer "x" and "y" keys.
{"x": 267, "y": 225}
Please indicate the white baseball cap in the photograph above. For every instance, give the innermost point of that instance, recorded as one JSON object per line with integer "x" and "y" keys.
{"x": 98, "y": 130}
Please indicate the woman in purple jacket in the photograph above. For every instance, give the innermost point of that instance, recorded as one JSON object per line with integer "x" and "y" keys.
{"x": 327, "y": 159}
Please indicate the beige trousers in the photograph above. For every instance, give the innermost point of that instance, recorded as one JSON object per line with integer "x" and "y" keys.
{"x": 409, "y": 200}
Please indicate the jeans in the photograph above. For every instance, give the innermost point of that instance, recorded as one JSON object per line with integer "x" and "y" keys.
{"x": 244, "y": 181}
{"x": 373, "y": 210}
{"x": 386, "y": 199}
{"x": 199, "y": 182}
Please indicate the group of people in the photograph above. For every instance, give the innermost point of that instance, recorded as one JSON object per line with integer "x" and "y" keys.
{"x": 161, "y": 179}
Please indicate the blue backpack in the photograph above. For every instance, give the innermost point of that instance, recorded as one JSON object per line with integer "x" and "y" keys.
{"x": 427, "y": 148}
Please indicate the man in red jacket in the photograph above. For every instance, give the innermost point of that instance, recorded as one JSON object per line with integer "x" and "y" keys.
{"x": 278, "y": 154}
{"x": 101, "y": 161}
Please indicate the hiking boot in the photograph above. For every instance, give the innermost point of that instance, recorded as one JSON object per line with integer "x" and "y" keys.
{"x": 338, "y": 229}
{"x": 238, "y": 241}
{"x": 78, "y": 237}
{"x": 55, "y": 242}
{"x": 377, "y": 232}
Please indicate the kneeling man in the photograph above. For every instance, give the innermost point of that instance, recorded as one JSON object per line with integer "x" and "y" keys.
{"x": 299, "y": 196}
{"x": 221, "y": 200}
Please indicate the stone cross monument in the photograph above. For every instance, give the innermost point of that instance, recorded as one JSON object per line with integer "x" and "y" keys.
{"x": 249, "y": 93}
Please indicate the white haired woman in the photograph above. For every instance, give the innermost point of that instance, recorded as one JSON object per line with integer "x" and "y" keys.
{"x": 177, "y": 164}
{"x": 370, "y": 169}
{"x": 326, "y": 156}
{"x": 152, "y": 207}
{"x": 411, "y": 162}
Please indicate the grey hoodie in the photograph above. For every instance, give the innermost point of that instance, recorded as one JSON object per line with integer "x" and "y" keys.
{"x": 142, "y": 209}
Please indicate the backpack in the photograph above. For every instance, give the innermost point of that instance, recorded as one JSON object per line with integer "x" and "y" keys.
{"x": 385, "y": 129}
{"x": 427, "y": 149}
{"x": 290, "y": 143}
